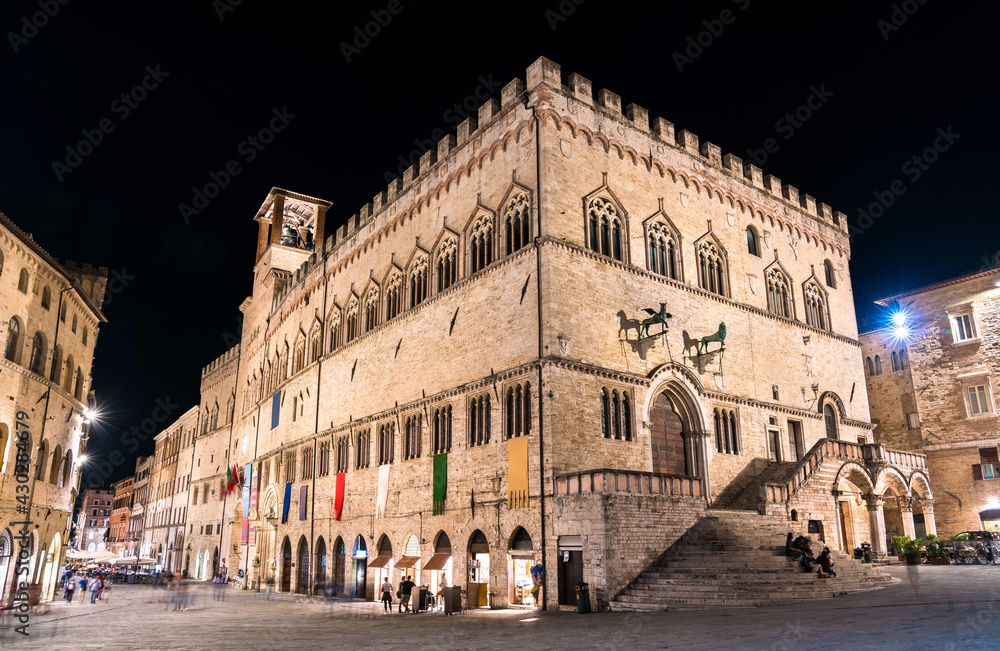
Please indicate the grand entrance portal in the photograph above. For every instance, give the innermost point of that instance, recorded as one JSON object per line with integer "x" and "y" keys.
{"x": 286, "y": 566}
{"x": 673, "y": 424}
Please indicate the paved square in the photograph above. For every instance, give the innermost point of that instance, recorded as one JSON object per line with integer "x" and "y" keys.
{"x": 950, "y": 607}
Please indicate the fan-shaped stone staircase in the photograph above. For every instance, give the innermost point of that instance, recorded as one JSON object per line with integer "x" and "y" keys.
{"x": 736, "y": 558}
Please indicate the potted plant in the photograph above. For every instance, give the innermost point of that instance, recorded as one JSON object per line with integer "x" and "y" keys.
{"x": 899, "y": 542}
{"x": 911, "y": 550}
{"x": 936, "y": 555}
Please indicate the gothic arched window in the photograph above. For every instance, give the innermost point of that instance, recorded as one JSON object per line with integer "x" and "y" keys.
{"x": 447, "y": 265}
{"x": 393, "y": 296}
{"x": 778, "y": 300}
{"x": 662, "y": 251}
{"x": 816, "y": 314}
{"x": 606, "y": 228}
{"x": 711, "y": 268}
{"x": 517, "y": 229}
{"x": 13, "y": 339}
{"x": 371, "y": 309}
{"x": 418, "y": 282}
{"x": 831, "y": 280}
{"x": 481, "y": 243}
{"x": 753, "y": 244}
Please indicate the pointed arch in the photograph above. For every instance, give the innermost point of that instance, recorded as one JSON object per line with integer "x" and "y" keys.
{"x": 780, "y": 299}
{"x": 713, "y": 264}
{"x": 606, "y": 227}
{"x": 663, "y": 245}
{"x": 480, "y": 237}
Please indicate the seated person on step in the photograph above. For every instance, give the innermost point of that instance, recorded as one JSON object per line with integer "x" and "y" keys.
{"x": 791, "y": 550}
{"x": 825, "y": 562}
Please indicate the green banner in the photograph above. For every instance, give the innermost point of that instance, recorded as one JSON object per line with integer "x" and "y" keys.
{"x": 440, "y": 482}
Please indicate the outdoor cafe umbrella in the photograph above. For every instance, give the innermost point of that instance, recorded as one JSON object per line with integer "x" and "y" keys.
{"x": 132, "y": 560}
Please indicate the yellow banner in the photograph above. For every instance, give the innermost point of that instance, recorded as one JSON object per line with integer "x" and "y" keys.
{"x": 517, "y": 472}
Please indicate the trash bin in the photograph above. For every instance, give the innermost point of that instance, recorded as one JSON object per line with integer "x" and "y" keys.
{"x": 582, "y": 598}
{"x": 866, "y": 552}
{"x": 859, "y": 554}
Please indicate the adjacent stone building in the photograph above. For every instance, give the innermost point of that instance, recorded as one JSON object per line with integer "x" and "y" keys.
{"x": 95, "y": 512}
{"x": 49, "y": 319}
{"x": 931, "y": 382}
{"x": 121, "y": 506}
{"x": 563, "y": 338}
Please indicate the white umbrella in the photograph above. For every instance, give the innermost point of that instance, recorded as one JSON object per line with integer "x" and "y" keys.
{"x": 132, "y": 560}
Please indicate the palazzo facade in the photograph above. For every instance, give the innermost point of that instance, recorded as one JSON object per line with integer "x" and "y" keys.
{"x": 458, "y": 384}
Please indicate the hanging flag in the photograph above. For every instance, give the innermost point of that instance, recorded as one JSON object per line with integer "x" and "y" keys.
{"x": 440, "y": 482}
{"x": 517, "y": 472}
{"x": 472, "y": 503}
{"x": 287, "y": 503}
{"x": 338, "y": 499}
{"x": 383, "y": 490}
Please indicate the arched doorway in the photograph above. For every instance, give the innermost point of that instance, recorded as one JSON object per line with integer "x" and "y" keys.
{"x": 320, "y": 580}
{"x": 479, "y": 569}
{"x": 674, "y": 420}
{"x": 439, "y": 566}
{"x": 286, "y": 565}
{"x": 359, "y": 574}
{"x": 6, "y": 545}
{"x": 410, "y": 562}
{"x": 339, "y": 566}
{"x": 302, "y": 584}
{"x": 520, "y": 554}
{"x": 382, "y": 564}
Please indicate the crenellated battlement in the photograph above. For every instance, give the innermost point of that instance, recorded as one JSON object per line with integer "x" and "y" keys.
{"x": 579, "y": 88}
{"x": 221, "y": 361}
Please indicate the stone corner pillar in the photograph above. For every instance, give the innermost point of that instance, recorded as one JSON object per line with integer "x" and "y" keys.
{"x": 876, "y": 521}
{"x": 906, "y": 511}
{"x": 929, "y": 523}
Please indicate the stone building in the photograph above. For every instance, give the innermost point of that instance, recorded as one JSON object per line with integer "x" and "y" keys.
{"x": 166, "y": 508}
{"x": 137, "y": 514}
{"x": 121, "y": 506}
{"x": 95, "y": 512}
{"x": 931, "y": 383}
{"x": 458, "y": 384}
{"x": 49, "y": 319}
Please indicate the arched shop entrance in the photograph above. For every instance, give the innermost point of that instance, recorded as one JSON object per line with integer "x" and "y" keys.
{"x": 439, "y": 565}
{"x": 409, "y": 564}
{"x": 320, "y": 580}
{"x": 382, "y": 564}
{"x": 286, "y": 566}
{"x": 302, "y": 584}
{"x": 359, "y": 574}
{"x": 520, "y": 555}
{"x": 479, "y": 569}
{"x": 339, "y": 567}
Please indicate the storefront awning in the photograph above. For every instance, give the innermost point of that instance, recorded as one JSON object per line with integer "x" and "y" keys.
{"x": 437, "y": 562}
{"x": 521, "y": 553}
{"x": 407, "y": 562}
{"x": 380, "y": 561}
{"x": 571, "y": 543}
{"x": 989, "y": 514}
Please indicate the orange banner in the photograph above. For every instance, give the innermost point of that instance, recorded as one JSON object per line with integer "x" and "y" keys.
{"x": 517, "y": 472}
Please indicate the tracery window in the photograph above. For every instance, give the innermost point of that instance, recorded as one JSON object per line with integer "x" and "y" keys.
{"x": 299, "y": 360}
{"x": 447, "y": 265}
{"x": 334, "y": 331}
{"x": 413, "y": 432}
{"x": 481, "y": 243}
{"x": 418, "y": 282}
{"x": 307, "y": 463}
{"x": 662, "y": 251}
{"x": 479, "y": 420}
{"x": 324, "y": 458}
{"x": 393, "y": 296}
{"x": 778, "y": 301}
{"x": 314, "y": 346}
{"x": 726, "y": 439}
{"x": 517, "y": 228}
{"x": 711, "y": 269}
{"x": 352, "y": 321}
{"x": 386, "y": 443}
{"x": 816, "y": 315}
{"x": 606, "y": 228}
{"x": 616, "y": 414}
{"x": 518, "y": 414}
{"x": 371, "y": 309}
{"x": 363, "y": 449}
{"x": 442, "y": 429}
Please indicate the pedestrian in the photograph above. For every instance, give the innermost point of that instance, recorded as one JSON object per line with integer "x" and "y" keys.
{"x": 406, "y": 589}
{"x": 537, "y": 575}
{"x": 95, "y": 588}
{"x": 70, "y": 586}
{"x": 82, "y": 584}
{"x": 387, "y": 595}
{"x": 825, "y": 562}
{"x": 106, "y": 590}
{"x": 270, "y": 588}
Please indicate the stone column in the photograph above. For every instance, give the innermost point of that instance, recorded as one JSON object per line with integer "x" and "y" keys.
{"x": 696, "y": 453}
{"x": 928, "y": 506}
{"x": 906, "y": 511}
{"x": 277, "y": 219}
{"x": 319, "y": 229}
{"x": 264, "y": 224}
{"x": 876, "y": 520}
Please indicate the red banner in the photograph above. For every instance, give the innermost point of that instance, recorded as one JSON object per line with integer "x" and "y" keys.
{"x": 338, "y": 499}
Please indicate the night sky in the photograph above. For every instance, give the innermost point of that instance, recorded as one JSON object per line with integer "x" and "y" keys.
{"x": 886, "y": 81}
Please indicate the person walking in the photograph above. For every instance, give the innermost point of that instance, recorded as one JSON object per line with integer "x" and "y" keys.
{"x": 406, "y": 589}
{"x": 95, "y": 588}
{"x": 82, "y": 584}
{"x": 387, "y": 595}
{"x": 70, "y": 586}
{"x": 106, "y": 590}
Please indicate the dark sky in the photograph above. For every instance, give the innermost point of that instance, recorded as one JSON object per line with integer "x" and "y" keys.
{"x": 891, "y": 83}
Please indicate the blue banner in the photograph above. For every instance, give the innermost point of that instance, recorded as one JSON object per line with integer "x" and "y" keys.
{"x": 288, "y": 503}
{"x": 275, "y": 409}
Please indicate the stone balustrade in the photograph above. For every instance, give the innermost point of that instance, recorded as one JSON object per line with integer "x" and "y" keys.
{"x": 626, "y": 481}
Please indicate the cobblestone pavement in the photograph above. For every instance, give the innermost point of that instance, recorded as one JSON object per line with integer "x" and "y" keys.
{"x": 933, "y": 607}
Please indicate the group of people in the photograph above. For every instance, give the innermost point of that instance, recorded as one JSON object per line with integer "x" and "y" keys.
{"x": 800, "y": 550}
{"x": 99, "y": 586}
{"x": 404, "y": 594}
